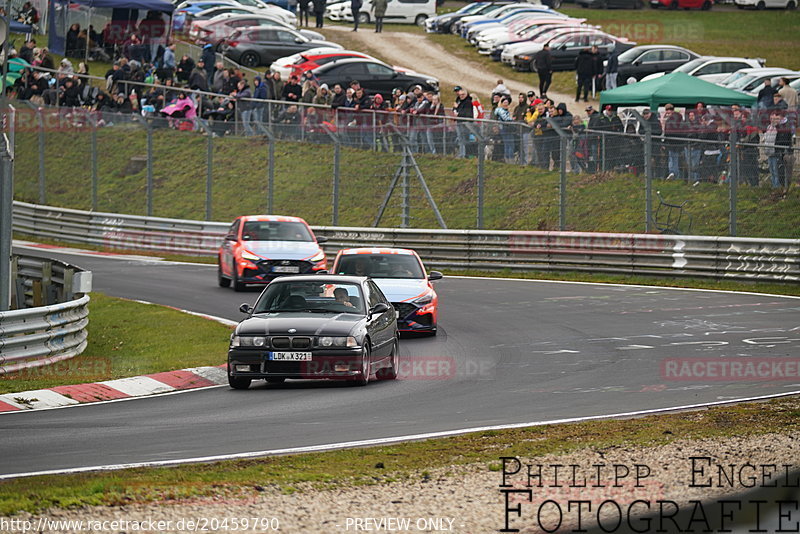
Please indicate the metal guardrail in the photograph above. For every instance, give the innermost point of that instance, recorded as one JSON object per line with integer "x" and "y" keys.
{"x": 50, "y": 324}
{"x": 648, "y": 254}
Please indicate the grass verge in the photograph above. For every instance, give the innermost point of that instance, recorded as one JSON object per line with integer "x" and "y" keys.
{"x": 382, "y": 465}
{"x": 129, "y": 338}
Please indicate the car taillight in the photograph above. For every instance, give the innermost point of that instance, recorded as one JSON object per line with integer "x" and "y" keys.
{"x": 232, "y": 44}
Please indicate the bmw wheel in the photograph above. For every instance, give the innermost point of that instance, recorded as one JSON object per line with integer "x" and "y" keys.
{"x": 250, "y": 59}
{"x": 238, "y": 382}
{"x": 221, "y": 279}
{"x": 761, "y": 6}
{"x": 390, "y": 373}
{"x": 363, "y": 378}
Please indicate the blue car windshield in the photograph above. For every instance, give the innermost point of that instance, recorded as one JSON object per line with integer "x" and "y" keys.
{"x": 310, "y": 297}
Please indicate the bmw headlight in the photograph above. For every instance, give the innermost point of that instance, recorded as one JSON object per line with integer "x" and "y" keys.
{"x": 319, "y": 256}
{"x": 337, "y": 341}
{"x": 248, "y": 341}
{"x": 247, "y": 255}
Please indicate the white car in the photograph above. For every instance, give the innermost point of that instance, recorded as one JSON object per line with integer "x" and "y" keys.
{"x": 763, "y": 4}
{"x": 414, "y": 11}
{"x": 755, "y": 86}
{"x": 235, "y": 8}
{"x": 711, "y": 68}
{"x": 743, "y": 76}
{"x": 284, "y": 65}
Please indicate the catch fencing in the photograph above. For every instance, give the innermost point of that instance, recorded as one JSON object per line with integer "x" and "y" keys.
{"x": 362, "y": 168}
{"x": 52, "y": 314}
{"x": 642, "y": 254}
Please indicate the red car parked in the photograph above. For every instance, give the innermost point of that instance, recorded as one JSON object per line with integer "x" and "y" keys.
{"x": 705, "y": 5}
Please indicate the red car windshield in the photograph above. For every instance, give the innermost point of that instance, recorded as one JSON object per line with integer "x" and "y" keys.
{"x": 275, "y": 231}
{"x": 380, "y": 266}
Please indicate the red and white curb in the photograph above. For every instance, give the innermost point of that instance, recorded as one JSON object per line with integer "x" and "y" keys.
{"x": 122, "y": 388}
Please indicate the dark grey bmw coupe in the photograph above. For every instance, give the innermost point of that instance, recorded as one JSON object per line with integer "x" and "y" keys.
{"x": 315, "y": 326}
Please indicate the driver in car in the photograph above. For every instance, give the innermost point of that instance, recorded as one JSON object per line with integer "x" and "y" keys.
{"x": 340, "y": 294}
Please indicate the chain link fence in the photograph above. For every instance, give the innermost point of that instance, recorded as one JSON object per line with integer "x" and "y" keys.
{"x": 361, "y": 168}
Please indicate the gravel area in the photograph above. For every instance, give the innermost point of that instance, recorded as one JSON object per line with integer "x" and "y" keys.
{"x": 415, "y": 51}
{"x": 463, "y": 499}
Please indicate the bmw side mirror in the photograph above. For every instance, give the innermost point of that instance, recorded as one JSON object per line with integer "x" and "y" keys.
{"x": 435, "y": 275}
{"x": 322, "y": 239}
{"x": 245, "y": 308}
{"x": 380, "y": 307}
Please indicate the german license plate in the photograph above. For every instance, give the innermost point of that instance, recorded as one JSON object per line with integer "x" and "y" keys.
{"x": 286, "y": 269}
{"x": 290, "y": 356}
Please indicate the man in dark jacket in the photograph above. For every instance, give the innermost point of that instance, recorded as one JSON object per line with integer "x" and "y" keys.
{"x": 208, "y": 57}
{"x": 355, "y": 8}
{"x": 585, "y": 69}
{"x": 319, "y": 11}
{"x": 292, "y": 91}
{"x": 612, "y": 68}
{"x": 544, "y": 68}
{"x": 198, "y": 78}
{"x": 563, "y": 119}
{"x": 462, "y": 108}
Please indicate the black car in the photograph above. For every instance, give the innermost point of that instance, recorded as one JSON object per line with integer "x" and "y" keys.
{"x": 605, "y": 4}
{"x": 565, "y": 47}
{"x": 640, "y": 61}
{"x": 312, "y": 327}
{"x": 373, "y": 75}
{"x": 261, "y": 45}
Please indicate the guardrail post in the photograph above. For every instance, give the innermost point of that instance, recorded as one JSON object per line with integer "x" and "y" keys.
{"x": 733, "y": 178}
{"x": 93, "y": 120}
{"x": 209, "y": 165}
{"x": 480, "y": 179}
{"x": 336, "y": 176}
{"x": 270, "y": 166}
{"x": 6, "y": 204}
{"x": 42, "y": 188}
{"x": 648, "y": 170}
{"x": 564, "y": 139}
{"x": 149, "y": 170}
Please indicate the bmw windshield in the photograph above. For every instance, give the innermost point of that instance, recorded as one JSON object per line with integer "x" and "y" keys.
{"x": 310, "y": 297}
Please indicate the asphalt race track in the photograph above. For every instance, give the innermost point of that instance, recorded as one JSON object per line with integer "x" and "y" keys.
{"x": 507, "y": 352}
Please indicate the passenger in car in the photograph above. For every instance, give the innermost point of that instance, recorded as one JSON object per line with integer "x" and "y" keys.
{"x": 340, "y": 294}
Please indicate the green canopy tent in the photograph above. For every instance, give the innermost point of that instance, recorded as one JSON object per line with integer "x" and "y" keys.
{"x": 677, "y": 88}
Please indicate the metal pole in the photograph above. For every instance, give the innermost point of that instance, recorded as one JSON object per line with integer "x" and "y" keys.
{"x": 149, "y": 170}
{"x": 94, "y": 164}
{"x": 209, "y": 170}
{"x": 336, "y": 161}
{"x": 733, "y": 178}
{"x": 405, "y": 195}
{"x": 6, "y": 203}
{"x": 271, "y": 176}
{"x": 42, "y": 192}
{"x": 562, "y": 186}
{"x": 481, "y": 179}
{"x": 648, "y": 179}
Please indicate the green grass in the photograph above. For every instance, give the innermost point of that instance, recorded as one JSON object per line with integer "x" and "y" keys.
{"x": 383, "y": 465}
{"x": 128, "y": 338}
{"x": 772, "y": 35}
{"x": 516, "y": 198}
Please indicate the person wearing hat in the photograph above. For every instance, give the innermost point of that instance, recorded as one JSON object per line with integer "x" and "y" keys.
{"x": 198, "y": 79}
{"x": 323, "y": 96}
{"x": 208, "y": 57}
{"x": 462, "y": 108}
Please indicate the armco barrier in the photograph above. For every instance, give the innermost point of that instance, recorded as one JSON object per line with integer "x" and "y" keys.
{"x": 649, "y": 254}
{"x": 37, "y": 334}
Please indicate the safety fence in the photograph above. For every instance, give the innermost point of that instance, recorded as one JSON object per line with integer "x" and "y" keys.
{"x": 52, "y": 314}
{"x": 472, "y": 174}
{"x": 645, "y": 254}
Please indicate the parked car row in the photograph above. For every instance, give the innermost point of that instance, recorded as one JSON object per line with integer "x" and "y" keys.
{"x": 409, "y": 11}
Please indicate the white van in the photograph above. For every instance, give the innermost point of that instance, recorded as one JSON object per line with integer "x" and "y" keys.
{"x": 416, "y": 11}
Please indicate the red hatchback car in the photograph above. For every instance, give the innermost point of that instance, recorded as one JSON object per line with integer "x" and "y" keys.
{"x": 259, "y": 248}
{"x": 683, "y": 4}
